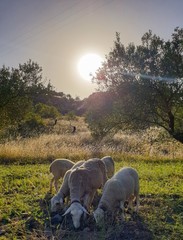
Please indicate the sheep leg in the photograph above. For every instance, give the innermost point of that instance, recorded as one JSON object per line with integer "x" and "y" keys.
{"x": 122, "y": 208}
{"x": 130, "y": 204}
{"x": 87, "y": 201}
{"x": 136, "y": 194}
{"x": 86, "y": 204}
{"x": 56, "y": 185}
{"x": 137, "y": 203}
{"x": 91, "y": 197}
{"x": 51, "y": 184}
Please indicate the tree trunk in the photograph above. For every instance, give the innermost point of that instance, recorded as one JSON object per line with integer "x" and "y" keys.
{"x": 171, "y": 122}
{"x": 178, "y": 136}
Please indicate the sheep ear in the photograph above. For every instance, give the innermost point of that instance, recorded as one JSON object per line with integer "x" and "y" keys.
{"x": 67, "y": 211}
{"x": 84, "y": 210}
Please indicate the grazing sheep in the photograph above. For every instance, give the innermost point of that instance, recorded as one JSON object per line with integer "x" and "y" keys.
{"x": 123, "y": 186}
{"x": 57, "y": 201}
{"x": 58, "y": 168}
{"x": 83, "y": 184}
{"x": 109, "y": 164}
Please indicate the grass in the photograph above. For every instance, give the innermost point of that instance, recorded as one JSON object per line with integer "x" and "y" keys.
{"x": 62, "y": 143}
{"x": 24, "y": 199}
{"x": 25, "y": 178}
{"x": 161, "y": 197}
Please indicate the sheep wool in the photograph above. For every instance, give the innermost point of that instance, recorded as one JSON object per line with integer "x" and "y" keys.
{"x": 57, "y": 201}
{"x": 109, "y": 164}
{"x": 123, "y": 186}
{"x": 83, "y": 184}
{"x": 58, "y": 168}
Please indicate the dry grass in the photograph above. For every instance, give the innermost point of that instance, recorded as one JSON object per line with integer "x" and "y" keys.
{"x": 80, "y": 145}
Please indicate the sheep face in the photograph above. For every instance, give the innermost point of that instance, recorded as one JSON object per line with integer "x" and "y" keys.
{"x": 76, "y": 210}
{"x": 56, "y": 203}
{"x": 99, "y": 215}
{"x": 76, "y": 216}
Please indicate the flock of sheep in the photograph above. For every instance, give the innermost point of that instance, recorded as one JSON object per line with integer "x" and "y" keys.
{"x": 81, "y": 181}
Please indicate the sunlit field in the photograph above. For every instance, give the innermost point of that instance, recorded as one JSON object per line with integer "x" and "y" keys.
{"x": 24, "y": 183}
{"x": 80, "y": 145}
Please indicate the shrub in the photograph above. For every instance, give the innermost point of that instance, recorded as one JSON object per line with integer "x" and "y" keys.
{"x": 31, "y": 126}
{"x": 46, "y": 111}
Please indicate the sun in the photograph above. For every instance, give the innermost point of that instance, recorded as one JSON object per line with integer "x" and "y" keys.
{"x": 88, "y": 64}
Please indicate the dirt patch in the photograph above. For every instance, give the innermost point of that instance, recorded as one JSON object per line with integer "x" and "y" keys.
{"x": 112, "y": 229}
{"x": 133, "y": 228}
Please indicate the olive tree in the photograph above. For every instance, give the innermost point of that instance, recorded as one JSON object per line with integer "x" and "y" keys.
{"x": 146, "y": 82}
{"x": 18, "y": 87}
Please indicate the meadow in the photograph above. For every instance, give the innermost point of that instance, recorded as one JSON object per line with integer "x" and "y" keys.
{"x": 25, "y": 178}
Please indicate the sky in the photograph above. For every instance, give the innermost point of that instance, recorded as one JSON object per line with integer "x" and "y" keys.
{"x": 57, "y": 33}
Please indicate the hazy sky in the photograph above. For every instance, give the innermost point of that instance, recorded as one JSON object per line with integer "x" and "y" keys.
{"x": 56, "y": 33}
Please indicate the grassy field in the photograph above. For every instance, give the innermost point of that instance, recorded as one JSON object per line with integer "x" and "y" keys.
{"x": 24, "y": 182}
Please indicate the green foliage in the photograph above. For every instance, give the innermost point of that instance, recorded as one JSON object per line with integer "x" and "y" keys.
{"x": 32, "y": 125}
{"x": 62, "y": 102}
{"x": 70, "y": 116}
{"x": 18, "y": 87}
{"x": 15, "y": 111}
{"x": 104, "y": 126}
{"x": 100, "y": 114}
{"x": 46, "y": 111}
{"x": 146, "y": 83}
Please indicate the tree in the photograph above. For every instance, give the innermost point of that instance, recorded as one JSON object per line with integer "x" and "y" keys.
{"x": 46, "y": 111}
{"x": 18, "y": 87}
{"x": 146, "y": 82}
{"x": 100, "y": 113}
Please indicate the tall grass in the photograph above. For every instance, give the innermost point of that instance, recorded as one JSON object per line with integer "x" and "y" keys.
{"x": 80, "y": 145}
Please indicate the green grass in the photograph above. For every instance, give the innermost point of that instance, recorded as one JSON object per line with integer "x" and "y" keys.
{"x": 24, "y": 198}
{"x": 23, "y": 189}
{"x": 161, "y": 188}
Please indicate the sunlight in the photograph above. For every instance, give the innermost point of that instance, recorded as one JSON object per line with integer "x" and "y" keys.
{"x": 88, "y": 64}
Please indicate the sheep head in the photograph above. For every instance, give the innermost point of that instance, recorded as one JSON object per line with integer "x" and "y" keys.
{"x": 56, "y": 203}
{"x": 98, "y": 215}
{"x": 76, "y": 210}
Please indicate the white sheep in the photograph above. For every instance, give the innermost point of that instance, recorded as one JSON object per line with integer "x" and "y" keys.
{"x": 58, "y": 168}
{"x": 123, "y": 186}
{"x": 83, "y": 184}
{"x": 57, "y": 201}
{"x": 109, "y": 164}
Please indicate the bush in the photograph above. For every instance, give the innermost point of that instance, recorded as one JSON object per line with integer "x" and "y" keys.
{"x": 31, "y": 126}
{"x": 70, "y": 116}
{"x": 46, "y": 111}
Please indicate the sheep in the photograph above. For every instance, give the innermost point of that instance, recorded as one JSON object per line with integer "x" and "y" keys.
{"x": 109, "y": 164}
{"x": 123, "y": 186}
{"x": 57, "y": 201}
{"x": 83, "y": 184}
{"x": 58, "y": 168}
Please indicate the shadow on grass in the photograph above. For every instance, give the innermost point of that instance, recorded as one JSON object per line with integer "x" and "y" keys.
{"x": 114, "y": 229}
{"x": 163, "y": 213}
{"x": 159, "y": 217}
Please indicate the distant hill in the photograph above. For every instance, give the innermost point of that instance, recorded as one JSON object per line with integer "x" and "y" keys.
{"x": 65, "y": 103}
{"x": 95, "y": 102}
